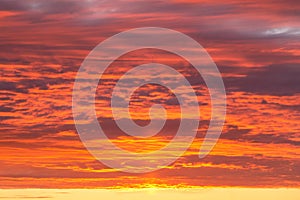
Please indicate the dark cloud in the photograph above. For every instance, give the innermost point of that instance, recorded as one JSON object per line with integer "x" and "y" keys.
{"x": 2, "y": 118}
{"x": 11, "y": 87}
{"x": 49, "y": 7}
{"x": 13, "y": 5}
{"x": 245, "y": 135}
{"x": 272, "y": 80}
{"x": 271, "y": 139}
{"x": 6, "y": 109}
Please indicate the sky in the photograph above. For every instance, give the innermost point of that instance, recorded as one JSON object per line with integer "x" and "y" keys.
{"x": 255, "y": 45}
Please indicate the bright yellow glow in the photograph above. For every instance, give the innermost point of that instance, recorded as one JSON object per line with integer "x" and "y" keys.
{"x": 154, "y": 193}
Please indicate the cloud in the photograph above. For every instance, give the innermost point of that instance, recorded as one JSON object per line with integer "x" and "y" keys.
{"x": 279, "y": 80}
{"x": 255, "y": 45}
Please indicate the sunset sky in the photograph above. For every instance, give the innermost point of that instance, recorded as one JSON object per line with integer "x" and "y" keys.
{"x": 255, "y": 44}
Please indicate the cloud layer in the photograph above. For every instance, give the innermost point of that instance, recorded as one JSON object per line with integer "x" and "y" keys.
{"x": 255, "y": 45}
